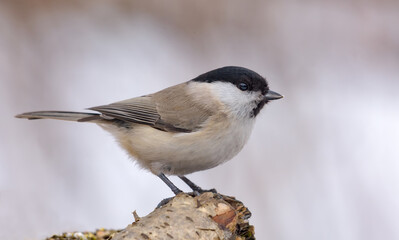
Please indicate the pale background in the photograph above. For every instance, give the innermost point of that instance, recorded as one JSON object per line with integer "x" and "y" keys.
{"x": 321, "y": 164}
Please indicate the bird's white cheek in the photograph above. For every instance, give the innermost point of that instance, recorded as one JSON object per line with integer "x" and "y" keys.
{"x": 240, "y": 103}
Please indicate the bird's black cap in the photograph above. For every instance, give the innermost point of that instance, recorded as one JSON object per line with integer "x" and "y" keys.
{"x": 235, "y": 75}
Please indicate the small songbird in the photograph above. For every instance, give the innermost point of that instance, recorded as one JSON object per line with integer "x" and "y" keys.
{"x": 189, "y": 127}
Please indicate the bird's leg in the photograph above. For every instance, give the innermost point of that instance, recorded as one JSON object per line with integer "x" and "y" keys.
{"x": 194, "y": 186}
{"x": 172, "y": 187}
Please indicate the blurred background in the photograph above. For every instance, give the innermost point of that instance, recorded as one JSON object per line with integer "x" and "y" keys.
{"x": 321, "y": 164}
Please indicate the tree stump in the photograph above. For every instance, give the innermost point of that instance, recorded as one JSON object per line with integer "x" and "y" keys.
{"x": 207, "y": 216}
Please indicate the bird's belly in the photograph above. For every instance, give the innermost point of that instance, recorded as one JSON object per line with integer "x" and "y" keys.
{"x": 184, "y": 153}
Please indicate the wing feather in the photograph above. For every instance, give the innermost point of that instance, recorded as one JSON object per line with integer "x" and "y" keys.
{"x": 168, "y": 110}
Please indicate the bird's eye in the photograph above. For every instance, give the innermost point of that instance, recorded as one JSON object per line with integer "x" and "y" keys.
{"x": 243, "y": 86}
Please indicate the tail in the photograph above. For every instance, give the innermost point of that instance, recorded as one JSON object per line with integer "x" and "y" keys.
{"x": 58, "y": 115}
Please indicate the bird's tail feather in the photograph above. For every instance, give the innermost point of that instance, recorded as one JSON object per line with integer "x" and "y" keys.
{"x": 60, "y": 115}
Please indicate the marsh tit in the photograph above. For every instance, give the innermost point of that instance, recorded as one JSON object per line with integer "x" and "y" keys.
{"x": 189, "y": 127}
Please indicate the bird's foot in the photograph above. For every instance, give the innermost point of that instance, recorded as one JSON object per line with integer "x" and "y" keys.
{"x": 195, "y": 193}
{"x": 164, "y": 202}
{"x": 200, "y": 191}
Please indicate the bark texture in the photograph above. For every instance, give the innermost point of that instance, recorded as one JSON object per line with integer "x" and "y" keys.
{"x": 207, "y": 216}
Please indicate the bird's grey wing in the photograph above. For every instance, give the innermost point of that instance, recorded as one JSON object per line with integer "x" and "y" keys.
{"x": 136, "y": 110}
{"x": 176, "y": 107}
{"x": 168, "y": 110}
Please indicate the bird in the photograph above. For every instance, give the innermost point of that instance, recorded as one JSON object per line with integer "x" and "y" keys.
{"x": 192, "y": 126}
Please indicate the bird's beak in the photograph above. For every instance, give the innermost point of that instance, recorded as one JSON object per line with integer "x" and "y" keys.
{"x": 270, "y": 95}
